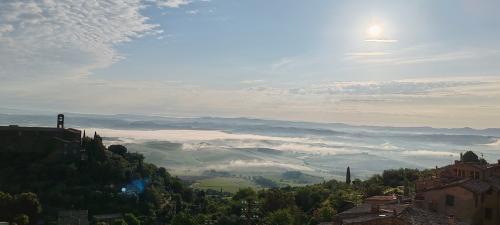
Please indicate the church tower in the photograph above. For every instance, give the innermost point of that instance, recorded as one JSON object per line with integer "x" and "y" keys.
{"x": 60, "y": 121}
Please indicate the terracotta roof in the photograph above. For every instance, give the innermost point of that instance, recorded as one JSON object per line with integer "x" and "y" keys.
{"x": 416, "y": 216}
{"x": 365, "y": 218}
{"x": 472, "y": 185}
{"x": 382, "y": 198}
{"x": 476, "y": 186}
{"x": 494, "y": 181}
{"x": 407, "y": 213}
{"x": 363, "y": 208}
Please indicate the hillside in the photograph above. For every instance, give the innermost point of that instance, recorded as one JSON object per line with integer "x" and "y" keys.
{"x": 113, "y": 180}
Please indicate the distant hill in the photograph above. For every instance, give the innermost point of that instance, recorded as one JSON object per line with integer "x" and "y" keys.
{"x": 124, "y": 121}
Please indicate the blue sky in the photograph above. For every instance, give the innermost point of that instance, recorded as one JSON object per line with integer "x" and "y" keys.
{"x": 431, "y": 63}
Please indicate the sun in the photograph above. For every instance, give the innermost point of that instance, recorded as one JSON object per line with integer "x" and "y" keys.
{"x": 374, "y": 30}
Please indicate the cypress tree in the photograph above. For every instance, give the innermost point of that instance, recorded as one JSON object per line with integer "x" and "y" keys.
{"x": 348, "y": 176}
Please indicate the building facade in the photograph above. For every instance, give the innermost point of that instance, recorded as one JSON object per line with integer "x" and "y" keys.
{"x": 58, "y": 141}
{"x": 466, "y": 190}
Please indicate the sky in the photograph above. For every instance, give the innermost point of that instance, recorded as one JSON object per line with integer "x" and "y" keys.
{"x": 394, "y": 63}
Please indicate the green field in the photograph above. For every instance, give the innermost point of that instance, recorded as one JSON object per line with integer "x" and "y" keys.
{"x": 228, "y": 184}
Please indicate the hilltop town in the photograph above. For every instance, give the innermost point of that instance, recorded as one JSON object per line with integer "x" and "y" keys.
{"x": 60, "y": 175}
{"x": 466, "y": 192}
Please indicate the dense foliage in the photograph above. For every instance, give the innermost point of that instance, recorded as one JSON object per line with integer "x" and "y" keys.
{"x": 113, "y": 180}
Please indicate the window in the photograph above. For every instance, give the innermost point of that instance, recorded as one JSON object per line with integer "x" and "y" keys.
{"x": 450, "y": 200}
{"x": 488, "y": 213}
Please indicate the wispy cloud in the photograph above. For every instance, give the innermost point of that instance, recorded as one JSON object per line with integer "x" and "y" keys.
{"x": 419, "y": 55}
{"x": 252, "y": 81}
{"x": 172, "y": 3}
{"x": 382, "y": 40}
{"x": 436, "y": 102}
{"x": 376, "y": 88}
{"x": 283, "y": 62}
{"x": 71, "y": 38}
{"x": 66, "y": 37}
{"x": 362, "y": 54}
{"x": 193, "y": 12}
{"x": 430, "y": 153}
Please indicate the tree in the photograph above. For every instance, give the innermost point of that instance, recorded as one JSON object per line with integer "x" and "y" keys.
{"x": 131, "y": 219}
{"x": 28, "y": 203}
{"x": 279, "y": 217}
{"x": 119, "y": 222}
{"x": 348, "y": 176}
{"x": 118, "y": 149}
{"x": 470, "y": 156}
{"x": 21, "y": 219}
{"x": 245, "y": 194}
{"x": 324, "y": 214}
{"x": 183, "y": 219}
{"x": 399, "y": 177}
{"x": 275, "y": 199}
{"x": 6, "y": 201}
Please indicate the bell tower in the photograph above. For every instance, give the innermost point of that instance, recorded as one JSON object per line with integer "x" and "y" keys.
{"x": 60, "y": 121}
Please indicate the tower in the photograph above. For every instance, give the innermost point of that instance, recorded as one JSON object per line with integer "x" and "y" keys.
{"x": 60, "y": 121}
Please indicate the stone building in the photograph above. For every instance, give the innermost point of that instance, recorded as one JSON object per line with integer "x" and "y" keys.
{"x": 73, "y": 217}
{"x": 58, "y": 141}
{"x": 390, "y": 214}
{"x": 468, "y": 190}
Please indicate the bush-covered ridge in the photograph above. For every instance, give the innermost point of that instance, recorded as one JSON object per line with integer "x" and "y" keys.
{"x": 113, "y": 180}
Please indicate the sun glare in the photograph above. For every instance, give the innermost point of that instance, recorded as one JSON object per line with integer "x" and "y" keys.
{"x": 374, "y": 30}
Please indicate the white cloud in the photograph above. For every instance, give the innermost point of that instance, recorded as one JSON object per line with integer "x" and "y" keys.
{"x": 193, "y": 12}
{"x": 283, "y": 62}
{"x": 382, "y": 40}
{"x": 430, "y": 153}
{"x": 433, "y": 102}
{"x": 361, "y": 54}
{"x": 420, "y": 55}
{"x": 375, "y": 88}
{"x": 252, "y": 81}
{"x": 66, "y": 37}
{"x": 6, "y": 28}
{"x": 172, "y": 3}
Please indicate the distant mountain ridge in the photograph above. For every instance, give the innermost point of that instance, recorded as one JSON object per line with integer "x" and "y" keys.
{"x": 123, "y": 121}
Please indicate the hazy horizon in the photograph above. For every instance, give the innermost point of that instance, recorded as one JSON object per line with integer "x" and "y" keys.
{"x": 51, "y": 113}
{"x": 389, "y": 63}
{"x": 250, "y": 147}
